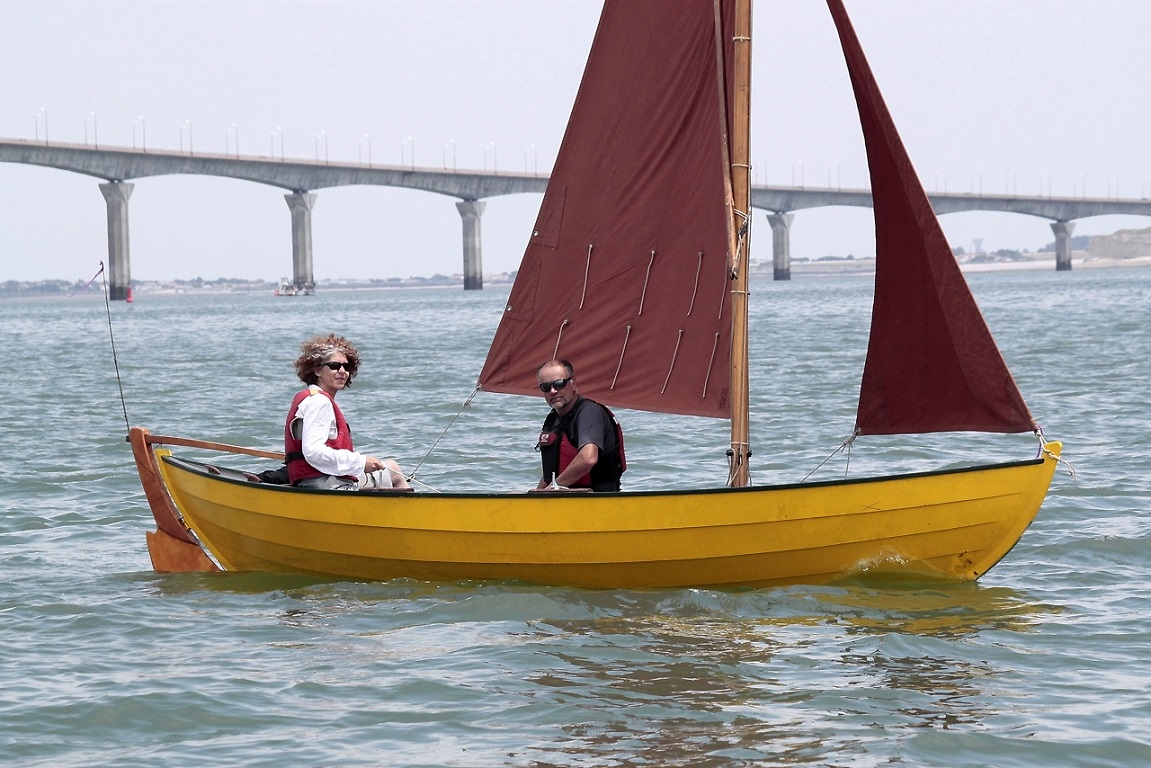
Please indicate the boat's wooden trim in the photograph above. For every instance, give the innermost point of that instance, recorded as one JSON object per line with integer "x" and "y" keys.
{"x": 172, "y": 547}
{"x": 171, "y": 555}
{"x": 168, "y": 519}
{"x": 188, "y": 442}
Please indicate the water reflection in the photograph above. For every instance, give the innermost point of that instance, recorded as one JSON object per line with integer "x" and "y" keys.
{"x": 793, "y": 675}
{"x": 946, "y": 610}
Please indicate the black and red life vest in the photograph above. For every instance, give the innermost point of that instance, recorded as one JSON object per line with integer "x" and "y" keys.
{"x": 557, "y": 447}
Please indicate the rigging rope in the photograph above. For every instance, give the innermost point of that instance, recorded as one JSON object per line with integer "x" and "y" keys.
{"x": 1058, "y": 459}
{"x": 112, "y": 339}
{"x": 412, "y": 475}
{"x": 844, "y": 446}
{"x": 733, "y": 461}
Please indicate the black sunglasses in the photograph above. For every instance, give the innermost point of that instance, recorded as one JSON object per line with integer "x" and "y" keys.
{"x": 333, "y": 366}
{"x": 557, "y": 385}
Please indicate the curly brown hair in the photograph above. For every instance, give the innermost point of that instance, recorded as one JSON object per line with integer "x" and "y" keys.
{"x": 316, "y": 351}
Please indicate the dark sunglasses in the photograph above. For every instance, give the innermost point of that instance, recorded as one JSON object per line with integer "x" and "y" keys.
{"x": 337, "y": 366}
{"x": 557, "y": 385}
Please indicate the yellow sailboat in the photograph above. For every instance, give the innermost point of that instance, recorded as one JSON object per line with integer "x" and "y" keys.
{"x": 637, "y": 270}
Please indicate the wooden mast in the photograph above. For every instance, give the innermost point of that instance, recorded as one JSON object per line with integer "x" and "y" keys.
{"x": 740, "y": 173}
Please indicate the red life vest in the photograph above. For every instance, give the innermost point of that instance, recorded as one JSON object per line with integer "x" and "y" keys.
{"x": 298, "y": 467}
{"x": 568, "y": 451}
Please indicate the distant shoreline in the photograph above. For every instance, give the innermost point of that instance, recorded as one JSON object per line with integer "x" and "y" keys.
{"x": 64, "y": 289}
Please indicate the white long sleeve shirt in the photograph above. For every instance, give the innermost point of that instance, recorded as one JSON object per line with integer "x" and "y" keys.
{"x": 319, "y": 426}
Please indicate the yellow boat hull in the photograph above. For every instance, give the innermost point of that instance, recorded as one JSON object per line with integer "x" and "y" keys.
{"x": 951, "y": 524}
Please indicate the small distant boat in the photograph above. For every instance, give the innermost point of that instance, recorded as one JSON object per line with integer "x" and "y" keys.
{"x": 289, "y": 288}
{"x": 637, "y": 270}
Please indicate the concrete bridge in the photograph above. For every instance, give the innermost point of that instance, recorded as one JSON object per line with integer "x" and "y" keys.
{"x": 1062, "y": 211}
{"x": 118, "y": 165}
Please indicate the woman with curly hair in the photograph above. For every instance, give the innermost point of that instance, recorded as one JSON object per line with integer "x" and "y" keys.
{"x": 317, "y": 439}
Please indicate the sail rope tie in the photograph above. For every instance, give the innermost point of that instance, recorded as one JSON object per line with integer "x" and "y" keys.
{"x": 710, "y": 363}
{"x": 560, "y": 335}
{"x": 586, "y": 271}
{"x": 695, "y": 288}
{"x": 112, "y": 340}
{"x": 646, "y": 280}
{"x": 412, "y": 475}
{"x": 671, "y": 367}
{"x": 622, "y": 352}
{"x": 845, "y": 448}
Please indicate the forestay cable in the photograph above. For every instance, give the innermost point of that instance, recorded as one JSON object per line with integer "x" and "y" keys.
{"x": 112, "y": 339}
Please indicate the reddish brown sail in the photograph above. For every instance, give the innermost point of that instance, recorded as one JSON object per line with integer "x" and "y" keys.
{"x": 626, "y": 272}
{"x": 932, "y": 365}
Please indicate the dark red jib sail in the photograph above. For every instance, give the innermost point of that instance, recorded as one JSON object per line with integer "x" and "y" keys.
{"x": 626, "y": 271}
{"x": 932, "y": 365}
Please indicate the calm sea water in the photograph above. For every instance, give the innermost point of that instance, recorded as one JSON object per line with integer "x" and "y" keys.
{"x": 1045, "y": 661}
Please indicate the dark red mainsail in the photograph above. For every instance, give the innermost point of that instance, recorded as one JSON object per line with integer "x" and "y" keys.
{"x": 932, "y": 365}
{"x": 626, "y": 272}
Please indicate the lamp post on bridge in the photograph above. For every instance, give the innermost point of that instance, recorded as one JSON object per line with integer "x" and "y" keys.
{"x": 143, "y": 134}
{"x": 95, "y": 131}
{"x": 360, "y": 148}
{"x": 322, "y": 135}
{"x": 450, "y": 143}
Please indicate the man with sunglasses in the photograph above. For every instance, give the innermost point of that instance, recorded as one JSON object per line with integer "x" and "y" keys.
{"x": 317, "y": 439}
{"x": 581, "y": 444}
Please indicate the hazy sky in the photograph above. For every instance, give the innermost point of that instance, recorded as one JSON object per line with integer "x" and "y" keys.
{"x": 991, "y": 95}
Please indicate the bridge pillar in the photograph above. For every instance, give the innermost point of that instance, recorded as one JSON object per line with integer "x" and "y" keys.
{"x": 781, "y": 244}
{"x": 470, "y": 212}
{"x": 1063, "y": 230}
{"x": 116, "y": 194}
{"x": 300, "y": 204}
